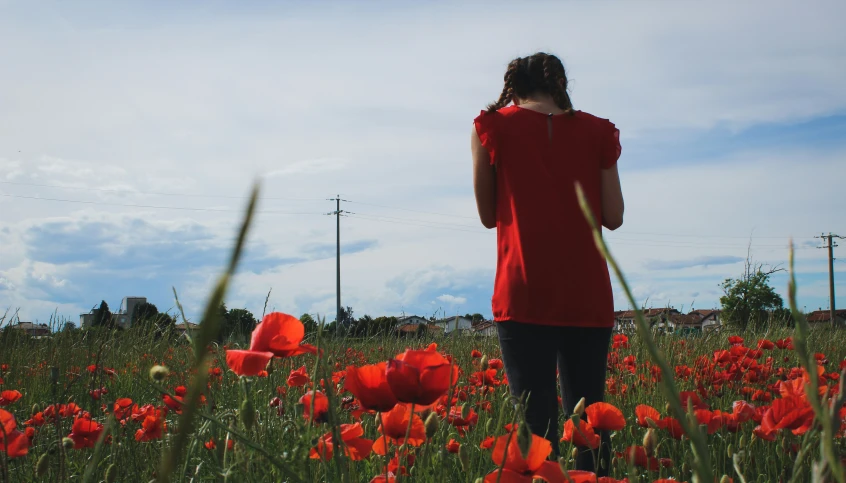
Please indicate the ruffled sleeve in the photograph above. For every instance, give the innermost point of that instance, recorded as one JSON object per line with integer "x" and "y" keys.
{"x": 610, "y": 147}
{"x": 485, "y": 124}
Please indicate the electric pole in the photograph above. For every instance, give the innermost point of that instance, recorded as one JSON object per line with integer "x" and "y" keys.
{"x": 338, "y": 212}
{"x": 830, "y": 247}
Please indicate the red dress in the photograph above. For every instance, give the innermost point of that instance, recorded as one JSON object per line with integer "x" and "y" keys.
{"x": 549, "y": 270}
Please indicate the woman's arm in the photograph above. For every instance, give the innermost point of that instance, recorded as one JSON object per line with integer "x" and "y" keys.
{"x": 612, "y": 199}
{"x": 484, "y": 181}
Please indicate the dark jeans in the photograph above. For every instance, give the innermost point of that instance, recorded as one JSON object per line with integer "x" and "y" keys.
{"x": 531, "y": 354}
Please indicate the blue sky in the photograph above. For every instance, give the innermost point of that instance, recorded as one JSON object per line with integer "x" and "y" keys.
{"x": 150, "y": 121}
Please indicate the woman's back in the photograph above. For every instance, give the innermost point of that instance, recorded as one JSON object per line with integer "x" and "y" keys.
{"x": 548, "y": 268}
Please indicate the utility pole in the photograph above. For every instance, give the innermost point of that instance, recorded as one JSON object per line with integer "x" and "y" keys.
{"x": 338, "y": 212}
{"x": 830, "y": 246}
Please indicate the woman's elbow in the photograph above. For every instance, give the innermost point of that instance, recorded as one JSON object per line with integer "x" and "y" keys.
{"x": 489, "y": 222}
{"x": 612, "y": 222}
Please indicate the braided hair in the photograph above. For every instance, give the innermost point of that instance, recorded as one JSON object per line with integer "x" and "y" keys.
{"x": 538, "y": 73}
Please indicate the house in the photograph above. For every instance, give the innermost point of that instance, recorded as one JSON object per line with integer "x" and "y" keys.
{"x": 411, "y": 320}
{"x": 485, "y": 328}
{"x": 710, "y": 319}
{"x": 410, "y": 330}
{"x": 458, "y": 323}
{"x": 624, "y": 321}
{"x": 824, "y": 317}
{"x": 30, "y": 329}
{"x": 188, "y": 327}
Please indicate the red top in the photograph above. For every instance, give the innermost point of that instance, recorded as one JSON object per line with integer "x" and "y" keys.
{"x": 549, "y": 270}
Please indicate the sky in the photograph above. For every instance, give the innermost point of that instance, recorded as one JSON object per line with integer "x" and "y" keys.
{"x": 132, "y": 132}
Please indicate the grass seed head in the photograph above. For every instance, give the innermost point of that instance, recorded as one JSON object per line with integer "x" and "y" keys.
{"x": 158, "y": 373}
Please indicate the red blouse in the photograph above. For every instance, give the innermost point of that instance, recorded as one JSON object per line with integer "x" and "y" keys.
{"x": 549, "y": 270}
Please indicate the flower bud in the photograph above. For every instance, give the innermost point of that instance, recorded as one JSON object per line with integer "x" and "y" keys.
{"x": 464, "y": 457}
{"x": 489, "y": 426}
{"x": 562, "y": 463}
{"x": 269, "y": 367}
{"x": 111, "y": 473}
{"x": 67, "y": 443}
{"x": 575, "y": 454}
{"x": 465, "y": 411}
{"x": 483, "y": 362}
{"x": 725, "y": 479}
{"x": 650, "y": 441}
{"x": 248, "y": 413}
{"x": 35, "y": 409}
{"x": 580, "y": 408}
{"x": 651, "y": 423}
{"x": 158, "y": 373}
{"x": 729, "y": 450}
{"x": 524, "y": 439}
{"x": 742, "y": 443}
{"x": 42, "y": 466}
{"x": 431, "y": 425}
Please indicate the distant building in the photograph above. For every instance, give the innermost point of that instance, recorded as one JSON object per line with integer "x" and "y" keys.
{"x": 485, "y": 328}
{"x": 121, "y": 318}
{"x": 824, "y": 317}
{"x": 30, "y": 329}
{"x": 459, "y": 323}
{"x": 624, "y": 320}
{"x": 187, "y": 327}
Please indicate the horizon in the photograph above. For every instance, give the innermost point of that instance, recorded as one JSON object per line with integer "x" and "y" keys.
{"x": 131, "y": 135}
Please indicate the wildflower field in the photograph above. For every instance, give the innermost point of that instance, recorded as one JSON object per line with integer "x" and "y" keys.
{"x": 77, "y": 407}
{"x": 126, "y": 406}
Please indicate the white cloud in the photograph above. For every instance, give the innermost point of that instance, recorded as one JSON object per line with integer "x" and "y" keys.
{"x": 452, "y": 299}
{"x": 378, "y": 108}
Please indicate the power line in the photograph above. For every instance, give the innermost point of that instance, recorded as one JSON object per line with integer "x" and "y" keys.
{"x": 831, "y": 246}
{"x": 152, "y": 193}
{"x": 414, "y": 211}
{"x": 128, "y": 205}
{"x": 378, "y": 219}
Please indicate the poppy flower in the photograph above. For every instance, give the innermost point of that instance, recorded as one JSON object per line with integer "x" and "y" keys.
{"x": 475, "y": 354}
{"x": 580, "y": 476}
{"x": 122, "y": 408}
{"x": 487, "y": 443}
{"x": 735, "y": 340}
{"x": 793, "y": 413}
{"x": 605, "y": 417}
{"x": 584, "y": 436}
{"x": 452, "y": 446}
{"x": 355, "y": 447}
{"x": 388, "y": 477}
{"x": 462, "y": 423}
{"x": 621, "y": 341}
{"x": 247, "y": 363}
{"x": 280, "y": 334}
{"x": 321, "y": 406}
{"x": 638, "y": 456}
{"x": 495, "y": 364}
{"x": 643, "y": 411}
{"x": 9, "y": 396}
{"x": 85, "y": 433}
{"x": 694, "y": 399}
{"x": 766, "y": 344}
{"x": 152, "y": 427}
{"x": 298, "y": 377}
{"x": 420, "y": 377}
{"x": 393, "y": 426}
{"x": 485, "y": 378}
{"x": 516, "y": 469}
{"x": 16, "y": 443}
{"x": 369, "y": 384}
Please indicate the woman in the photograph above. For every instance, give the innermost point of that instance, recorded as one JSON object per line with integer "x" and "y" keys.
{"x": 552, "y": 295}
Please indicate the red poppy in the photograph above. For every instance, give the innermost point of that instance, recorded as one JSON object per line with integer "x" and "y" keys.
{"x": 485, "y": 378}
{"x": 420, "y": 377}
{"x": 516, "y": 469}
{"x": 388, "y": 477}
{"x": 643, "y": 411}
{"x": 487, "y": 443}
{"x": 793, "y": 413}
{"x": 638, "y": 456}
{"x": 766, "y": 344}
{"x": 16, "y": 443}
{"x": 369, "y": 384}
{"x": 247, "y": 363}
{"x": 122, "y": 408}
{"x": 84, "y": 433}
{"x": 583, "y": 436}
{"x": 735, "y": 340}
{"x": 321, "y": 406}
{"x": 605, "y": 417}
{"x": 393, "y": 426}
{"x": 495, "y": 364}
{"x": 580, "y": 476}
{"x": 355, "y": 447}
{"x": 9, "y": 396}
{"x": 462, "y": 423}
{"x": 280, "y": 334}
{"x": 298, "y": 377}
{"x": 452, "y": 446}
{"x": 694, "y": 399}
{"x": 475, "y": 354}
{"x": 152, "y": 427}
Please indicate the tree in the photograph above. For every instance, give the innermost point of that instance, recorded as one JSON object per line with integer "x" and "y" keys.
{"x": 240, "y": 322}
{"x": 476, "y": 318}
{"x": 750, "y": 299}
{"x": 69, "y": 327}
{"x": 309, "y": 323}
{"x": 142, "y": 313}
{"x": 103, "y": 316}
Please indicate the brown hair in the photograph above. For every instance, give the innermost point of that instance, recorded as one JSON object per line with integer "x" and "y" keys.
{"x": 539, "y": 73}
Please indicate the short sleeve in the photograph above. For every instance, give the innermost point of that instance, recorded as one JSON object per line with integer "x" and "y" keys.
{"x": 610, "y": 148}
{"x": 485, "y": 124}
